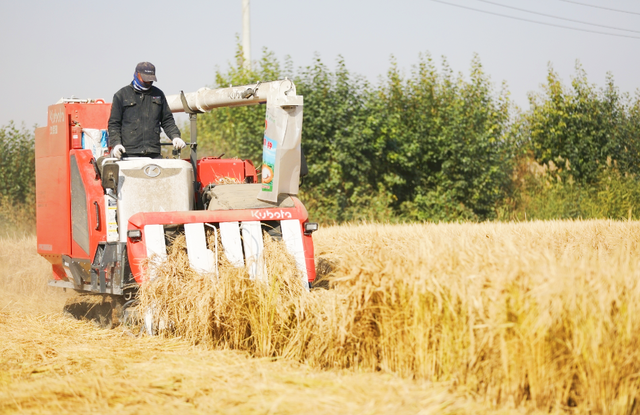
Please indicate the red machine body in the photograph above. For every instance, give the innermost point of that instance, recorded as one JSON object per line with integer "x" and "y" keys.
{"x": 54, "y": 160}
{"x": 218, "y": 171}
{"x": 73, "y": 207}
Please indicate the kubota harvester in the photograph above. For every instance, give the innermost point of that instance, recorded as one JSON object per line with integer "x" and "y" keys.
{"x": 99, "y": 218}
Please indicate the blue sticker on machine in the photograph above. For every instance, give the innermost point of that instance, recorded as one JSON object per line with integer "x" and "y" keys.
{"x": 268, "y": 163}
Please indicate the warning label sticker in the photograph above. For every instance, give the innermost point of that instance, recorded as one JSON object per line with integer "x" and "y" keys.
{"x": 268, "y": 163}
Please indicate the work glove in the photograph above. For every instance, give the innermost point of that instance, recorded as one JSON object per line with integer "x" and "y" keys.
{"x": 178, "y": 143}
{"x": 117, "y": 151}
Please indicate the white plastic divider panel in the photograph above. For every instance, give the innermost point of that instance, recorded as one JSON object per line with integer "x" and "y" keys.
{"x": 232, "y": 243}
{"x": 292, "y": 236}
{"x": 154, "y": 238}
{"x": 201, "y": 258}
{"x": 253, "y": 249}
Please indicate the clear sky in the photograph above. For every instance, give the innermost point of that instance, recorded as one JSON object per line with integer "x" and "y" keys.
{"x": 58, "y": 48}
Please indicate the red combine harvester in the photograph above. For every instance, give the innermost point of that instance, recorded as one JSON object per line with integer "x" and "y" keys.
{"x": 100, "y": 218}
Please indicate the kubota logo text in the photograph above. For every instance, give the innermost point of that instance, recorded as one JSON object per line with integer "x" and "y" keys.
{"x": 56, "y": 117}
{"x": 267, "y": 214}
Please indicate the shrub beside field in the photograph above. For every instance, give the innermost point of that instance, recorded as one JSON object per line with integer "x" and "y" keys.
{"x": 542, "y": 314}
{"x": 17, "y": 180}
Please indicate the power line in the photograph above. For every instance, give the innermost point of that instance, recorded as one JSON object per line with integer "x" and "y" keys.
{"x": 600, "y": 7}
{"x": 556, "y": 17}
{"x": 535, "y": 21}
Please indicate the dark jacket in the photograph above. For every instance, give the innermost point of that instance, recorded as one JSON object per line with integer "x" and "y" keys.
{"x": 136, "y": 118}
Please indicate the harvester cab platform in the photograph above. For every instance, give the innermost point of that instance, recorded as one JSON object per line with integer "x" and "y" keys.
{"x": 101, "y": 220}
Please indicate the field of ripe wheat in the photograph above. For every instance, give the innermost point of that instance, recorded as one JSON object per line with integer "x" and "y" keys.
{"x": 421, "y": 318}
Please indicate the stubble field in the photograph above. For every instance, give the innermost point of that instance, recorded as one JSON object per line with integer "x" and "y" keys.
{"x": 456, "y": 318}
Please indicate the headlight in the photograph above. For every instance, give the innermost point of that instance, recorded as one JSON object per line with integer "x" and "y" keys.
{"x": 310, "y": 227}
{"x": 134, "y": 234}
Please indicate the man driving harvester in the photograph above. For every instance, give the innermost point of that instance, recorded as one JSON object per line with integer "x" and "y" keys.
{"x": 138, "y": 112}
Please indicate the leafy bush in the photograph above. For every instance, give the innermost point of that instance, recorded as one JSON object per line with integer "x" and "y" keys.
{"x": 577, "y": 129}
{"x": 237, "y": 132}
{"x": 446, "y": 144}
{"x": 17, "y": 178}
{"x": 611, "y": 195}
{"x": 17, "y": 164}
{"x": 430, "y": 147}
{"x": 346, "y": 160}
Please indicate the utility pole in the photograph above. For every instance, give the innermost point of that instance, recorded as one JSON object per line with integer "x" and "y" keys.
{"x": 246, "y": 35}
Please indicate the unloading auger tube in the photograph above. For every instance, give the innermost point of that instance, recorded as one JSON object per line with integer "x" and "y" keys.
{"x": 205, "y": 99}
{"x": 283, "y": 128}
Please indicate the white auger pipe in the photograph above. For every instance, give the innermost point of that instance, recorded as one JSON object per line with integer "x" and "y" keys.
{"x": 281, "y": 150}
{"x": 205, "y": 99}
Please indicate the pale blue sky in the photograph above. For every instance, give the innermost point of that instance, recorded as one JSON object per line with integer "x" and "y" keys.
{"x": 89, "y": 49}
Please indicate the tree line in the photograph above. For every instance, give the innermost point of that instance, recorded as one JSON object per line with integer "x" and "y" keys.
{"x": 427, "y": 145}
{"x": 435, "y": 145}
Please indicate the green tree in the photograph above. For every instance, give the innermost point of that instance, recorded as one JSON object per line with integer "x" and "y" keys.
{"x": 446, "y": 144}
{"x": 17, "y": 180}
{"x": 579, "y": 152}
{"x": 17, "y": 164}
{"x": 237, "y": 132}
{"x": 344, "y": 157}
{"x": 430, "y": 147}
{"x": 578, "y": 129}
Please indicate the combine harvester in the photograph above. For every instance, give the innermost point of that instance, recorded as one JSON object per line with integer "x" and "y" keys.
{"x": 100, "y": 218}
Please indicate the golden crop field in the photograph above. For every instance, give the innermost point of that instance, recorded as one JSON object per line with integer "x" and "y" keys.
{"x": 538, "y": 317}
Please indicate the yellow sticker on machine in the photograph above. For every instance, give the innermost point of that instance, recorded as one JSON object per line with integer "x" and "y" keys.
{"x": 112, "y": 219}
